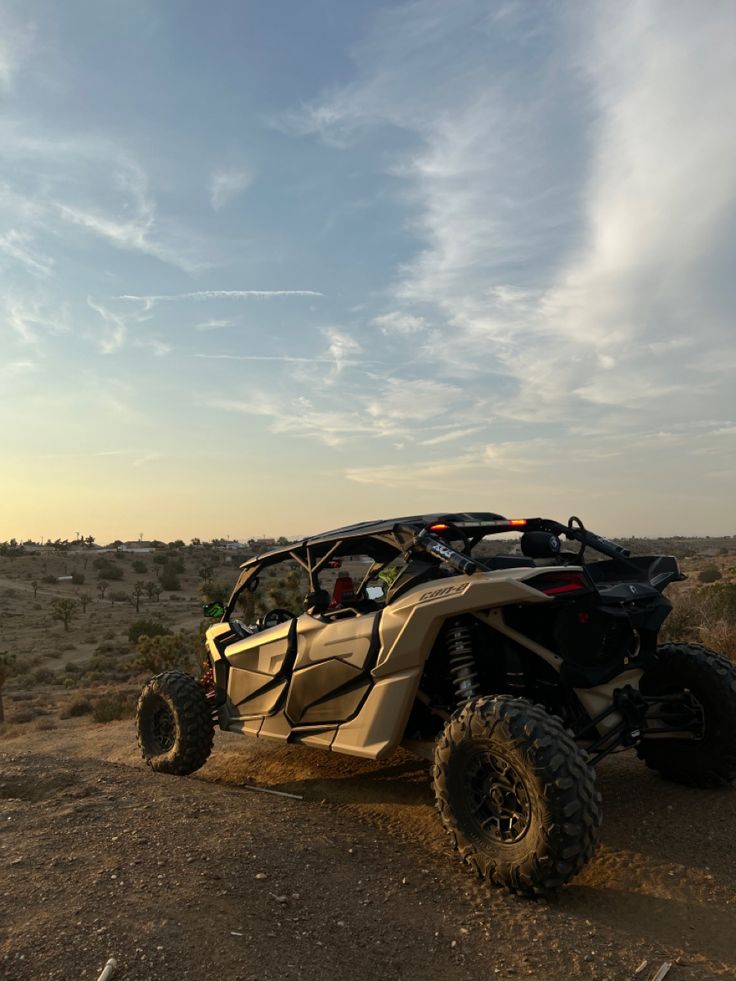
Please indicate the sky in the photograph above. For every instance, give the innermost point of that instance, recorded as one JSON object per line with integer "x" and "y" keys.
{"x": 271, "y": 267}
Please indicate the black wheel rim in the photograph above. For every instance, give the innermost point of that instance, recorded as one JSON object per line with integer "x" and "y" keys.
{"x": 163, "y": 728}
{"x": 498, "y": 799}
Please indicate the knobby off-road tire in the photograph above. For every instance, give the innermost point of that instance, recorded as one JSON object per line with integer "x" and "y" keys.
{"x": 711, "y": 679}
{"x": 499, "y": 756}
{"x": 174, "y": 722}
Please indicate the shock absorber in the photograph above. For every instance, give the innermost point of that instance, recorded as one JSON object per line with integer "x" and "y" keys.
{"x": 459, "y": 644}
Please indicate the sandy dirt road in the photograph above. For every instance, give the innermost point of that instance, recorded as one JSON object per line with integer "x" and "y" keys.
{"x": 201, "y": 878}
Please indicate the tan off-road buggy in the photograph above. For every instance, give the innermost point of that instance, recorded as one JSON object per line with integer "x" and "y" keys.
{"x": 514, "y": 674}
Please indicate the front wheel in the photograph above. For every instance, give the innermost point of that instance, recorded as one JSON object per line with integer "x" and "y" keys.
{"x": 174, "y": 722}
{"x": 708, "y": 761}
{"x": 516, "y": 794}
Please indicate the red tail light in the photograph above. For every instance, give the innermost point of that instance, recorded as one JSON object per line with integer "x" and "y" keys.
{"x": 557, "y": 583}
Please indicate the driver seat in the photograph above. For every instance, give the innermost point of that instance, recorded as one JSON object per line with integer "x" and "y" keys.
{"x": 316, "y": 602}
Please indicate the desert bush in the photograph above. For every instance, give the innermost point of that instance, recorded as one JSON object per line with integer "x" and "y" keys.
{"x": 77, "y": 578}
{"x": 45, "y": 725}
{"x": 113, "y": 706}
{"x": 711, "y": 573}
{"x": 48, "y": 579}
{"x": 110, "y": 571}
{"x": 119, "y": 596}
{"x": 108, "y": 708}
{"x": 170, "y": 580}
{"x": 140, "y": 567}
{"x": 43, "y": 676}
{"x": 211, "y": 591}
{"x": 114, "y": 648}
{"x": 148, "y": 628}
{"x": 704, "y": 616}
{"x": 182, "y": 650}
{"x": 76, "y": 708}
{"x": 23, "y": 716}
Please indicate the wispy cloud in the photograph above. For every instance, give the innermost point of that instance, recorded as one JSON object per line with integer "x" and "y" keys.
{"x": 31, "y": 317}
{"x": 397, "y": 322}
{"x": 226, "y": 184}
{"x": 89, "y": 185}
{"x": 217, "y": 295}
{"x": 16, "y": 41}
{"x": 18, "y": 246}
{"x": 116, "y": 324}
{"x": 215, "y": 324}
{"x": 571, "y": 287}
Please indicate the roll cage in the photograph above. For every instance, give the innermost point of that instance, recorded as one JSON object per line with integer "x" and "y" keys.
{"x": 385, "y": 541}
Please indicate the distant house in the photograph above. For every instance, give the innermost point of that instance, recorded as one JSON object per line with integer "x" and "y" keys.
{"x": 140, "y": 546}
{"x": 261, "y": 544}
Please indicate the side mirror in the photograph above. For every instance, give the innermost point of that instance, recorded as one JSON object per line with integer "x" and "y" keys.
{"x": 214, "y": 610}
{"x": 540, "y": 545}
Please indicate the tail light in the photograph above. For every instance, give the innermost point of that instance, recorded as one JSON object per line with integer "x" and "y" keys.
{"x": 559, "y": 583}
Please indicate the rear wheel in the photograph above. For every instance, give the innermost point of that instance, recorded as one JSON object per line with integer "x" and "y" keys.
{"x": 174, "y": 721}
{"x": 710, "y": 678}
{"x": 516, "y": 794}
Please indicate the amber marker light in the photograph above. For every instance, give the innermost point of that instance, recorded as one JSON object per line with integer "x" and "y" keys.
{"x": 517, "y": 522}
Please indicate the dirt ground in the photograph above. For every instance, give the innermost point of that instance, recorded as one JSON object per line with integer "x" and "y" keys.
{"x": 200, "y": 877}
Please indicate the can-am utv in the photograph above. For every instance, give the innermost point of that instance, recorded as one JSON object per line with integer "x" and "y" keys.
{"x": 515, "y": 674}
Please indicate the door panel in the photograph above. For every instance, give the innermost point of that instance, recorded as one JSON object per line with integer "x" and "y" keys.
{"x": 349, "y": 639}
{"x": 259, "y": 667}
{"x": 326, "y": 692}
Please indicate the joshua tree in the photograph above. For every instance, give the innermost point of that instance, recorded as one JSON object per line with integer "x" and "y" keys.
{"x": 138, "y": 590}
{"x": 205, "y": 572}
{"x": 34, "y": 585}
{"x": 64, "y": 610}
{"x": 153, "y": 589}
{"x": 84, "y": 599}
{"x": 101, "y": 587}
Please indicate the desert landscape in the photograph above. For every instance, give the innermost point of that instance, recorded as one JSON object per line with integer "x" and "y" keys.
{"x": 349, "y": 874}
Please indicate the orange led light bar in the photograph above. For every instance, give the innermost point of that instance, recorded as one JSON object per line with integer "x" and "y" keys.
{"x": 517, "y": 521}
{"x": 439, "y": 527}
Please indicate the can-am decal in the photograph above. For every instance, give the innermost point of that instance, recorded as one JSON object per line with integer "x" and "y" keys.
{"x": 445, "y": 591}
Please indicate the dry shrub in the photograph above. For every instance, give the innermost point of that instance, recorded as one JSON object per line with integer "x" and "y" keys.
{"x": 720, "y": 636}
{"x": 703, "y": 616}
{"x": 76, "y": 708}
{"x": 45, "y": 725}
{"x": 23, "y": 716}
{"x": 113, "y": 706}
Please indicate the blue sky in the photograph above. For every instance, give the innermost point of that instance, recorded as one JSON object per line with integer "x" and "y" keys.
{"x": 272, "y": 267}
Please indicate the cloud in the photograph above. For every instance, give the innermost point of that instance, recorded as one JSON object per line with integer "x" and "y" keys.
{"x": 90, "y": 184}
{"x": 215, "y": 324}
{"x": 571, "y": 183}
{"x": 217, "y": 295}
{"x": 30, "y": 317}
{"x": 226, "y": 184}
{"x": 299, "y": 417}
{"x": 341, "y": 349}
{"x": 16, "y": 42}
{"x": 21, "y": 367}
{"x": 397, "y": 322}
{"x": 16, "y": 245}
